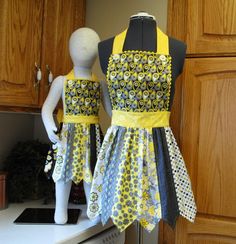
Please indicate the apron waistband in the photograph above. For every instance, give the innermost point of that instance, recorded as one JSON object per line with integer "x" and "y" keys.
{"x": 140, "y": 119}
{"x": 86, "y": 119}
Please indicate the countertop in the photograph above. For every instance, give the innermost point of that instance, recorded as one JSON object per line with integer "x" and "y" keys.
{"x": 11, "y": 233}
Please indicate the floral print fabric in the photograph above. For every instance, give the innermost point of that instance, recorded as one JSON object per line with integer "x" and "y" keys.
{"x": 82, "y": 97}
{"x": 139, "y": 81}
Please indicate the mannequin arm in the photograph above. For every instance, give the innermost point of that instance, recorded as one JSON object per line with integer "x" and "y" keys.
{"x": 49, "y": 105}
{"x": 106, "y": 102}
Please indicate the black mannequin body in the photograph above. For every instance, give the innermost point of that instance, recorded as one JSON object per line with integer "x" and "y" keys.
{"x": 141, "y": 35}
{"x": 140, "y": 133}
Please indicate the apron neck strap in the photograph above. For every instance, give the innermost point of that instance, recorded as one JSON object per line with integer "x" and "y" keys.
{"x": 162, "y": 42}
{"x": 71, "y": 76}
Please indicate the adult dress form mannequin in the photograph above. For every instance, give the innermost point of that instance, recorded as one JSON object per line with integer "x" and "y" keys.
{"x": 145, "y": 178}
{"x": 142, "y": 29}
{"x": 83, "y": 51}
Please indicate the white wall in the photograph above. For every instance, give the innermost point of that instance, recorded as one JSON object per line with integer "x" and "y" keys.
{"x": 110, "y": 17}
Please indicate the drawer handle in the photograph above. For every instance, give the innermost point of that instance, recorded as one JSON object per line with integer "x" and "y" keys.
{"x": 50, "y": 75}
{"x": 38, "y": 75}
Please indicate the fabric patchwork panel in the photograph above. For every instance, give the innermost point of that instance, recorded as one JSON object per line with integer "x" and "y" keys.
{"x": 73, "y": 157}
{"x": 182, "y": 182}
{"x": 126, "y": 188}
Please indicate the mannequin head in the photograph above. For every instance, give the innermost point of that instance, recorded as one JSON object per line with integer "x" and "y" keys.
{"x": 142, "y": 14}
{"x": 83, "y": 47}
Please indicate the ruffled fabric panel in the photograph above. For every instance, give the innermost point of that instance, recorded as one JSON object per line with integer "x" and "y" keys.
{"x": 125, "y": 185}
{"x": 140, "y": 175}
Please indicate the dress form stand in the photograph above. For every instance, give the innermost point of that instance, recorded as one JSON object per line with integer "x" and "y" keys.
{"x": 83, "y": 51}
{"x": 141, "y": 30}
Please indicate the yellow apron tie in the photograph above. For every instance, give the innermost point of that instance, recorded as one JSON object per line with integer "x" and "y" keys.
{"x": 60, "y": 115}
{"x": 140, "y": 119}
{"x": 85, "y": 119}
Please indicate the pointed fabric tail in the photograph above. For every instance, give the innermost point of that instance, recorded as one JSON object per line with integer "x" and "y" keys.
{"x": 169, "y": 204}
{"x": 185, "y": 198}
{"x": 95, "y": 201}
{"x": 137, "y": 193}
{"x": 110, "y": 177}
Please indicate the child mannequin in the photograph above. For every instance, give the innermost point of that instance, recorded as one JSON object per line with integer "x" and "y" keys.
{"x": 83, "y": 51}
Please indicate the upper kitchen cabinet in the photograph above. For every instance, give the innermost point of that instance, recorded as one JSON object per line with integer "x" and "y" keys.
{"x": 61, "y": 18}
{"x": 208, "y": 145}
{"x": 20, "y": 47}
{"x": 34, "y": 32}
{"x": 209, "y": 27}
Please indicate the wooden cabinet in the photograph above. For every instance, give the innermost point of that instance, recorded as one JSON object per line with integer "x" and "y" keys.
{"x": 208, "y": 146}
{"x": 208, "y": 26}
{"x": 20, "y": 47}
{"x": 61, "y": 18}
{"x": 205, "y": 117}
{"x": 34, "y": 32}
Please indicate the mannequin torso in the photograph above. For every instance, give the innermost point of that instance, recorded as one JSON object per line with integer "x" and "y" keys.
{"x": 144, "y": 166}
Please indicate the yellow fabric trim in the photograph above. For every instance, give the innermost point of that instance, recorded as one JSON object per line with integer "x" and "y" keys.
{"x": 81, "y": 119}
{"x": 140, "y": 119}
{"x": 118, "y": 42}
{"x": 162, "y": 43}
{"x": 71, "y": 76}
{"x": 59, "y": 115}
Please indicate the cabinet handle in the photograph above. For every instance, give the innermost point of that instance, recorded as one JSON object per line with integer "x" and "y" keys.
{"x": 50, "y": 75}
{"x": 38, "y": 75}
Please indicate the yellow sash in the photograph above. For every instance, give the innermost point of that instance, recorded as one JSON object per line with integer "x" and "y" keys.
{"x": 140, "y": 119}
{"x": 85, "y": 119}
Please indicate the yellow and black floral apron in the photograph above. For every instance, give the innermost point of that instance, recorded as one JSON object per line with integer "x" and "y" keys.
{"x": 80, "y": 137}
{"x": 140, "y": 173}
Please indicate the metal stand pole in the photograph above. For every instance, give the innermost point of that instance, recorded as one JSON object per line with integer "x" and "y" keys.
{"x": 139, "y": 234}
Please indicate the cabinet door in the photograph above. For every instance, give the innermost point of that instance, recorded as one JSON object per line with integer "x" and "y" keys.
{"x": 20, "y": 48}
{"x": 61, "y": 18}
{"x": 208, "y": 143}
{"x": 208, "y": 26}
